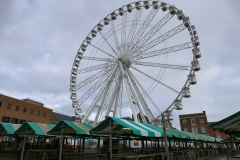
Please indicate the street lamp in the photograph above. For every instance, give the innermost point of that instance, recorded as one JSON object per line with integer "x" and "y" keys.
{"x": 167, "y": 116}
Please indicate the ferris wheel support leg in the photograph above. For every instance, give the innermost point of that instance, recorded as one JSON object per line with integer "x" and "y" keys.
{"x": 113, "y": 97}
{"x": 134, "y": 97}
{"x": 101, "y": 104}
{"x": 128, "y": 92}
{"x": 118, "y": 104}
{"x": 117, "y": 98}
{"x": 141, "y": 99}
{"x": 145, "y": 93}
{"x": 99, "y": 95}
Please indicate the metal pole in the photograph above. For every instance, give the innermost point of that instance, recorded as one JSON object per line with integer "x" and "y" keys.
{"x": 110, "y": 141}
{"x": 98, "y": 149}
{"x": 165, "y": 135}
{"x": 23, "y": 147}
{"x": 61, "y": 145}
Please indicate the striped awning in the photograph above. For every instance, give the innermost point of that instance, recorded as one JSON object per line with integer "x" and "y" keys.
{"x": 72, "y": 128}
{"x": 179, "y": 134}
{"x": 124, "y": 127}
{"x": 231, "y": 140}
{"x": 32, "y": 128}
{"x": 8, "y": 128}
{"x": 130, "y": 128}
{"x": 229, "y": 125}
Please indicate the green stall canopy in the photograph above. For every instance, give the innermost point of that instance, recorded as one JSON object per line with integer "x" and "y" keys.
{"x": 72, "y": 128}
{"x": 229, "y": 125}
{"x": 8, "y": 128}
{"x": 32, "y": 128}
{"x": 128, "y": 128}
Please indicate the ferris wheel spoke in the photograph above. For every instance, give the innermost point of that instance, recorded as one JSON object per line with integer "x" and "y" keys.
{"x": 140, "y": 98}
{"x": 160, "y": 39}
{"x": 144, "y": 92}
{"x": 102, "y": 50}
{"x": 156, "y": 80}
{"x": 109, "y": 79}
{"x": 115, "y": 37}
{"x": 98, "y": 59}
{"x": 93, "y": 78}
{"x": 142, "y": 29}
{"x": 123, "y": 31}
{"x": 163, "y": 51}
{"x": 108, "y": 43}
{"x": 92, "y": 90}
{"x": 162, "y": 65}
{"x": 133, "y": 28}
{"x": 153, "y": 30}
{"x": 94, "y": 68}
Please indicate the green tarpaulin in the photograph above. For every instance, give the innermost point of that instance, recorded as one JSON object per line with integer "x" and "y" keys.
{"x": 8, "y": 128}
{"x": 71, "y": 128}
{"x": 229, "y": 125}
{"x": 128, "y": 128}
{"x": 32, "y": 128}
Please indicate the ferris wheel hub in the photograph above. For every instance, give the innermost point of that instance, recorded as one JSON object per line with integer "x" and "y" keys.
{"x": 126, "y": 61}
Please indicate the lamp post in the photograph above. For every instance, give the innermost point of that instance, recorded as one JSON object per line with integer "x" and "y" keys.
{"x": 165, "y": 135}
{"x": 61, "y": 141}
{"x": 167, "y": 113}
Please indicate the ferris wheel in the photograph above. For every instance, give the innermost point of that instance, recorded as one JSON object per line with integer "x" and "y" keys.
{"x": 137, "y": 61}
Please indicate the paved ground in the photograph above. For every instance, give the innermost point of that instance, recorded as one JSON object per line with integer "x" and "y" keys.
{"x": 92, "y": 156}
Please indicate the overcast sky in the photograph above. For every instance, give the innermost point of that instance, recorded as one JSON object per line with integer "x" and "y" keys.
{"x": 39, "y": 41}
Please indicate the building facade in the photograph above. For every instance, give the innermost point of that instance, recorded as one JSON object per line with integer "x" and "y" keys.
{"x": 194, "y": 123}
{"x": 17, "y": 111}
{"x": 216, "y": 133}
{"x": 198, "y": 123}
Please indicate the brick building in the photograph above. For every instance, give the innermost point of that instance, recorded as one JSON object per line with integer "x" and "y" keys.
{"x": 198, "y": 123}
{"x": 194, "y": 123}
{"x": 214, "y": 133}
{"x": 16, "y": 111}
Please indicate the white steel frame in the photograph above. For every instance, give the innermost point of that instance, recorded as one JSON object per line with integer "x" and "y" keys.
{"x": 115, "y": 74}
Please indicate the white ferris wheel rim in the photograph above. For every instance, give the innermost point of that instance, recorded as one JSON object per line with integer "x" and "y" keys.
{"x": 122, "y": 63}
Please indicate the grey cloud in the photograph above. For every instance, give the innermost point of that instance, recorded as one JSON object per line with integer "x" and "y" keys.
{"x": 38, "y": 43}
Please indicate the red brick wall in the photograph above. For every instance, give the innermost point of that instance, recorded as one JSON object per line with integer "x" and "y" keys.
{"x": 214, "y": 134}
{"x": 197, "y": 117}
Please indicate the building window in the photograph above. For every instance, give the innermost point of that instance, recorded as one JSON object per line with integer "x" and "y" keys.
{"x": 24, "y": 109}
{"x": 22, "y": 121}
{"x": 0, "y": 103}
{"x": 194, "y": 130}
{"x": 31, "y": 112}
{"x": 203, "y": 129}
{"x": 184, "y": 122}
{"x": 185, "y": 130}
{"x": 17, "y": 108}
{"x": 38, "y": 113}
{"x": 218, "y": 135}
{"x": 14, "y": 120}
{"x": 5, "y": 119}
{"x": 8, "y": 106}
{"x": 201, "y": 120}
{"x": 193, "y": 121}
{"x": 44, "y": 114}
